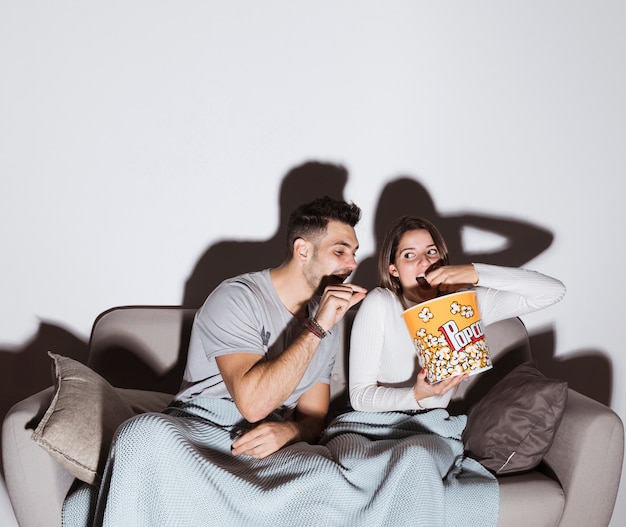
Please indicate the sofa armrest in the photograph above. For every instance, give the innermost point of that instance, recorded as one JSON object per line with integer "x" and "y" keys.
{"x": 586, "y": 457}
{"x": 37, "y": 485}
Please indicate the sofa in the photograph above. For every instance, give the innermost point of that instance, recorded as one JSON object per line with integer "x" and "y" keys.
{"x": 136, "y": 359}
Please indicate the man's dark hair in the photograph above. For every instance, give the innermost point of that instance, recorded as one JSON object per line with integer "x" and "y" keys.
{"x": 311, "y": 219}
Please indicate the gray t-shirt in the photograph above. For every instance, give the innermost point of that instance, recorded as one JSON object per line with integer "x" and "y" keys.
{"x": 244, "y": 314}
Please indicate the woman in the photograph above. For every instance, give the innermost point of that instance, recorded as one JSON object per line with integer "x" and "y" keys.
{"x": 413, "y": 267}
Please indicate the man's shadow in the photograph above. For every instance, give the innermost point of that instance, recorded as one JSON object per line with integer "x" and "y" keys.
{"x": 229, "y": 258}
{"x": 225, "y": 259}
{"x": 28, "y": 369}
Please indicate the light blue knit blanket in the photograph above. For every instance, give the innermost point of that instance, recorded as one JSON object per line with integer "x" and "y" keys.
{"x": 175, "y": 469}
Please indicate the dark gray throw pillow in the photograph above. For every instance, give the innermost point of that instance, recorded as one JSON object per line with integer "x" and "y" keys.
{"x": 512, "y": 427}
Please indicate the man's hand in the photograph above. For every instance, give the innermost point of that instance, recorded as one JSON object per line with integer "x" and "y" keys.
{"x": 270, "y": 436}
{"x": 265, "y": 439}
{"x": 336, "y": 301}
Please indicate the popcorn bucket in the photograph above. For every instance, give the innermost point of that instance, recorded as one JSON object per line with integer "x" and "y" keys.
{"x": 448, "y": 335}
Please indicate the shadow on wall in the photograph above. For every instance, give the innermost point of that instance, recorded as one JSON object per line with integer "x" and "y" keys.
{"x": 586, "y": 371}
{"x": 404, "y": 195}
{"x": 28, "y": 370}
{"x": 227, "y": 258}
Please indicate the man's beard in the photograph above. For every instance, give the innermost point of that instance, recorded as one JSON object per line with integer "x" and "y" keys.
{"x": 336, "y": 278}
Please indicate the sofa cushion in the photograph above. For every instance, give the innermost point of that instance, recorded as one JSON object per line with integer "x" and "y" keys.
{"x": 85, "y": 411}
{"x": 530, "y": 499}
{"x": 512, "y": 427}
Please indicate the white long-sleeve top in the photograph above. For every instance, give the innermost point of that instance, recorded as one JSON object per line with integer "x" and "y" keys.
{"x": 383, "y": 361}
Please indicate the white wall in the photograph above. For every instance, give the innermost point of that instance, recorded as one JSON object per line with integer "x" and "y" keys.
{"x": 133, "y": 135}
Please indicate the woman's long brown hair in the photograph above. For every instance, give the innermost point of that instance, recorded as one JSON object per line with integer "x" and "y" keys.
{"x": 389, "y": 248}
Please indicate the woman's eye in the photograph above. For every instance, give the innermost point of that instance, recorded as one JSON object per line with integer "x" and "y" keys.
{"x": 432, "y": 252}
{"x": 408, "y": 256}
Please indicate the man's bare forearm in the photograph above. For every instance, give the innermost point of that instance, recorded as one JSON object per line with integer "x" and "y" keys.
{"x": 268, "y": 383}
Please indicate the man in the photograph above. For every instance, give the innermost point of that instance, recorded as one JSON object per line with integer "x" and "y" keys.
{"x": 267, "y": 340}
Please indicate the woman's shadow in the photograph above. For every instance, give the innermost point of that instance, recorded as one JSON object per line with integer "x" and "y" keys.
{"x": 519, "y": 242}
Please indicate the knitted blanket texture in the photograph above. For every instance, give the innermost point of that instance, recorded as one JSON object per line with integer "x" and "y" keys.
{"x": 175, "y": 469}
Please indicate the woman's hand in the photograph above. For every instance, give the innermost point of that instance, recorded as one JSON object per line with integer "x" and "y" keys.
{"x": 450, "y": 278}
{"x": 423, "y": 389}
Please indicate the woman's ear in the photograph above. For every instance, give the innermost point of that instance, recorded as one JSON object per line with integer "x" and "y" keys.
{"x": 393, "y": 271}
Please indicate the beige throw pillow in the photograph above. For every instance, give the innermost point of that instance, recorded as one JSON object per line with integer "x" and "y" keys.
{"x": 85, "y": 411}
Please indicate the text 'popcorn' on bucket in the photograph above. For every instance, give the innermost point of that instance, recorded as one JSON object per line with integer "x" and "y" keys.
{"x": 447, "y": 349}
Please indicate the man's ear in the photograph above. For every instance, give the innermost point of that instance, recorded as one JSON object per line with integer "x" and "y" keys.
{"x": 393, "y": 271}
{"x": 301, "y": 248}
